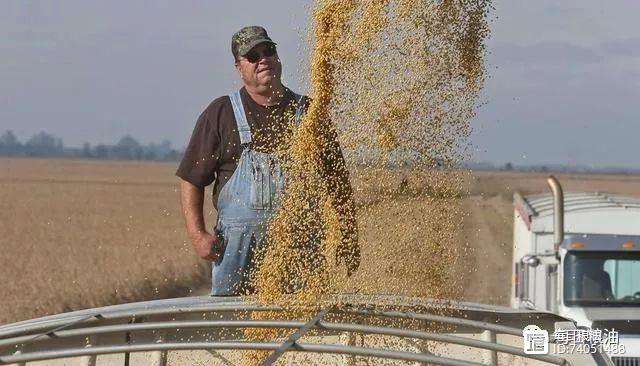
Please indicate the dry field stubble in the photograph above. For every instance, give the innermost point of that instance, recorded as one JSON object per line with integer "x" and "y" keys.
{"x": 77, "y": 234}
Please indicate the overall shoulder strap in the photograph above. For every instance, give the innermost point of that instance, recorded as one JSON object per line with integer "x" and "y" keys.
{"x": 241, "y": 118}
{"x": 300, "y": 108}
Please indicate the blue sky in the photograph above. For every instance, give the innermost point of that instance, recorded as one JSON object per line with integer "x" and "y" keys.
{"x": 563, "y": 75}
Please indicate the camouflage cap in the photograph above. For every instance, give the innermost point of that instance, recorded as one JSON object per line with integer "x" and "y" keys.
{"x": 247, "y": 38}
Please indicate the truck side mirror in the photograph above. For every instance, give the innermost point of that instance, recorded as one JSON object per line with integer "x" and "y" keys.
{"x": 530, "y": 260}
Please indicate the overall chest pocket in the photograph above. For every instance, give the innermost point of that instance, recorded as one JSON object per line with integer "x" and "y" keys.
{"x": 267, "y": 183}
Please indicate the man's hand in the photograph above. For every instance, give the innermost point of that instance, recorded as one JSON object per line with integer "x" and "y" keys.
{"x": 208, "y": 246}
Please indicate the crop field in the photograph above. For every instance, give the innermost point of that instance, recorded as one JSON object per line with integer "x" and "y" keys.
{"x": 77, "y": 234}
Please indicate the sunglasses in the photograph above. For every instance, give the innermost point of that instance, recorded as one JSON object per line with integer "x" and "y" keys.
{"x": 254, "y": 56}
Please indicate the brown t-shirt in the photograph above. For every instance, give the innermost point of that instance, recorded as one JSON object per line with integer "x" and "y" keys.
{"x": 214, "y": 149}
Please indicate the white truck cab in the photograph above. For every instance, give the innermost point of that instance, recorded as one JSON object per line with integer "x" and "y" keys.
{"x": 578, "y": 255}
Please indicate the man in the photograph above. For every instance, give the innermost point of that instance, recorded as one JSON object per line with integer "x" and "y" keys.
{"x": 596, "y": 282}
{"x": 234, "y": 146}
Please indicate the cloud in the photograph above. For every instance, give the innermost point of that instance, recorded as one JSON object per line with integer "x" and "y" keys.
{"x": 622, "y": 47}
{"x": 574, "y": 100}
{"x": 543, "y": 53}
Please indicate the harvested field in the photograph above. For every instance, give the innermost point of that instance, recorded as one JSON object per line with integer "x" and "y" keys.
{"x": 77, "y": 234}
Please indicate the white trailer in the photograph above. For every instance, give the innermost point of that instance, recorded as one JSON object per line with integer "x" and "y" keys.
{"x": 578, "y": 255}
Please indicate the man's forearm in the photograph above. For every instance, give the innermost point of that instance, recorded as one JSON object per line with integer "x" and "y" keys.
{"x": 192, "y": 199}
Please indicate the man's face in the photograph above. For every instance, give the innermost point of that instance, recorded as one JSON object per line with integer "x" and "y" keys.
{"x": 264, "y": 71}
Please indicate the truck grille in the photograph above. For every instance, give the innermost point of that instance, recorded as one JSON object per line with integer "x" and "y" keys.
{"x": 626, "y": 361}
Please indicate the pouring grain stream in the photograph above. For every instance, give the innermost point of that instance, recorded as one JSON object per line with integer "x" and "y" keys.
{"x": 400, "y": 80}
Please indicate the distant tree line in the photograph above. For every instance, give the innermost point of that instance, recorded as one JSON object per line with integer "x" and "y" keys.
{"x": 550, "y": 168}
{"x": 46, "y": 145}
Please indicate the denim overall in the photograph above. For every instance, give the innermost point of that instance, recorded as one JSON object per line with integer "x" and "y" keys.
{"x": 245, "y": 204}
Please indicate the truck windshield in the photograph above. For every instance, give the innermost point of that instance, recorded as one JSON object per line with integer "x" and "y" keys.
{"x": 602, "y": 279}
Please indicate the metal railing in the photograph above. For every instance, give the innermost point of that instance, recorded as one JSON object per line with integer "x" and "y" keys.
{"x": 208, "y": 323}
